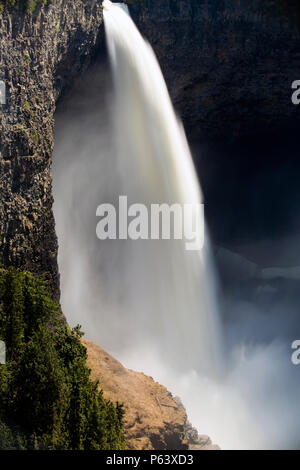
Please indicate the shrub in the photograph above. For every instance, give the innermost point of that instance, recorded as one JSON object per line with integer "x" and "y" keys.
{"x": 47, "y": 399}
{"x": 29, "y": 5}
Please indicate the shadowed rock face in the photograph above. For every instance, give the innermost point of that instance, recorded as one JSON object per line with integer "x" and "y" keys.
{"x": 291, "y": 9}
{"x": 229, "y": 65}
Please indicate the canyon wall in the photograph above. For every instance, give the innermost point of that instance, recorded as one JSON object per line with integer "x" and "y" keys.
{"x": 39, "y": 54}
{"x": 229, "y": 65}
{"x": 229, "y": 69}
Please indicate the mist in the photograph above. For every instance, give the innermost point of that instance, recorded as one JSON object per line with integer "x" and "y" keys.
{"x": 253, "y": 403}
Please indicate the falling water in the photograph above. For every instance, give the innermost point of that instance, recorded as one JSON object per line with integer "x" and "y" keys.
{"x": 151, "y": 304}
{"x": 176, "y": 311}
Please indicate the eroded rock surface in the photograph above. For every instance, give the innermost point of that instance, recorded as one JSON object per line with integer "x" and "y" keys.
{"x": 154, "y": 418}
{"x": 229, "y": 64}
{"x": 229, "y": 67}
{"x": 39, "y": 55}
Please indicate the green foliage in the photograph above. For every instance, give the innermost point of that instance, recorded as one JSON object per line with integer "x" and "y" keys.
{"x": 29, "y": 5}
{"x": 47, "y": 399}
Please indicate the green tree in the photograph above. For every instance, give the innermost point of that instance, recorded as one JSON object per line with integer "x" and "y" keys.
{"x": 47, "y": 399}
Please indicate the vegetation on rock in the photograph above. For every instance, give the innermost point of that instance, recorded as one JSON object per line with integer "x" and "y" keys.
{"x": 29, "y": 5}
{"x": 47, "y": 399}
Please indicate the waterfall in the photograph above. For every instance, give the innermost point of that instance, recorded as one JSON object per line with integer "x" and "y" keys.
{"x": 174, "y": 311}
{"x": 152, "y": 303}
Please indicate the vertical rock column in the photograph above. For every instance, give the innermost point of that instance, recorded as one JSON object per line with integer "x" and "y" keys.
{"x": 40, "y": 54}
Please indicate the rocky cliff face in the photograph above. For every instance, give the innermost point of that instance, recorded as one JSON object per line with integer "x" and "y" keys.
{"x": 229, "y": 65}
{"x": 229, "y": 68}
{"x": 39, "y": 54}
